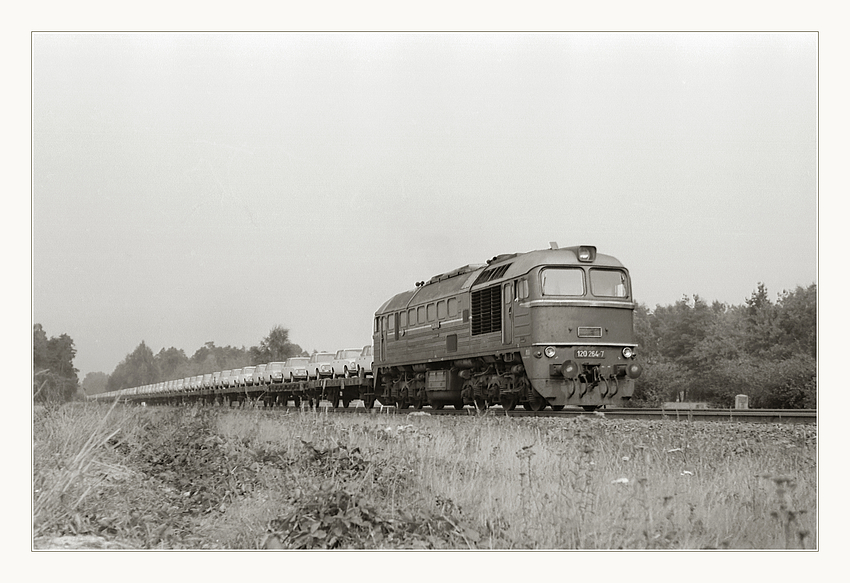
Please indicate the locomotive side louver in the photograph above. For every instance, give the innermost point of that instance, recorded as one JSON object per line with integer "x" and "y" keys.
{"x": 486, "y": 310}
{"x": 491, "y": 274}
{"x": 589, "y": 332}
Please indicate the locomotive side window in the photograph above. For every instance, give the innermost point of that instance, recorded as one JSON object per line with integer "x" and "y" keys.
{"x": 441, "y": 309}
{"x": 452, "y": 307}
{"x": 562, "y": 282}
{"x": 420, "y": 313}
{"x": 609, "y": 283}
{"x": 411, "y": 316}
{"x": 391, "y": 325}
{"x": 432, "y": 312}
{"x": 402, "y": 319}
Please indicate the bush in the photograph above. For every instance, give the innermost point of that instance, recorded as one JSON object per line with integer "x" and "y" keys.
{"x": 660, "y": 382}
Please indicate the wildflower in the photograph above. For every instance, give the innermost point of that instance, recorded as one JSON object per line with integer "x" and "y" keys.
{"x": 620, "y": 481}
{"x": 626, "y": 458}
{"x": 674, "y": 449}
{"x": 686, "y": 473}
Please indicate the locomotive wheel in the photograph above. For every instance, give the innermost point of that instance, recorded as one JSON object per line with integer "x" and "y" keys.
{"x": 458, "y": 406}
{"x": 345, "y": 401}
{"x": 417, "y": 403}
{"x": 480, "y": 403}
{"x": 335, "y": 399}
{"x": 296, "y": 400}
{"x": 402, "y": 403}
{"x": 557, "y": 407}
{"x": 509, "y": 402}
{"x": 536, "y": 402}
{"x": 438, "y": 407}
{"x": 369, "y": 402}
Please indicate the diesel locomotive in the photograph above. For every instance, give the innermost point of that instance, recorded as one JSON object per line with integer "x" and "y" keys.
{"x": 545, "y": 328}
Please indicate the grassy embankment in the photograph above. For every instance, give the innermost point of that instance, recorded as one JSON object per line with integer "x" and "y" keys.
{"x": 210, "y": 478}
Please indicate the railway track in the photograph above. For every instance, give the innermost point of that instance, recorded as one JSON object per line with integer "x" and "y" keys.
{"x": 806, "y": 416}
{"x": 317, "y": 388}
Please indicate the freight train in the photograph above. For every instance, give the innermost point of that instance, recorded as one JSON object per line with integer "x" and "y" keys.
{"x": 545, "y": 328}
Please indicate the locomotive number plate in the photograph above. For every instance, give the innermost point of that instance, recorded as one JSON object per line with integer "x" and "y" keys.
{"x": 589, "y": 353}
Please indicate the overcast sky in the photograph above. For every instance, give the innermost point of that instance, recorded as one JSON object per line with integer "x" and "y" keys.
{"x": 207, "y": 187}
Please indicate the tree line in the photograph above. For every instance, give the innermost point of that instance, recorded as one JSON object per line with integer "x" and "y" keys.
{"x": 54, "y": 377}
{"x": 143, "y": 367}
{"x": 693, "y": 351}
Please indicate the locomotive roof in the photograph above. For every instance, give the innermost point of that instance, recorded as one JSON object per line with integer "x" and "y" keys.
{"x": 506, "y": 266}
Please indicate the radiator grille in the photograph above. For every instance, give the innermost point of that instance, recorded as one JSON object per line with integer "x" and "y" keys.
{"x": 486, "y": 310}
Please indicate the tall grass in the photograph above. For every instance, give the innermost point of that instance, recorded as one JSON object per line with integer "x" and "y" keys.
{"x": 67, "y": 443}
{"x": 315, "y": 480}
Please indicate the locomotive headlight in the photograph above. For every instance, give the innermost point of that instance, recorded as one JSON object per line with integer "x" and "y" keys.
{"x": 587, "y": 253}
{"x": 628, "y": 352}
{"x": 549, "y": 351}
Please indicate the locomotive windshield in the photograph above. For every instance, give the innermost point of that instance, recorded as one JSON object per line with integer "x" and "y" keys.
{"x": 562, "y": 282}
{"x": 608, "y": 283}
{"x": 569, "y": 281}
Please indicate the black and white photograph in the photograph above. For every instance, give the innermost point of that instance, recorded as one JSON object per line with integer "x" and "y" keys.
{"x": 416, "y": 291}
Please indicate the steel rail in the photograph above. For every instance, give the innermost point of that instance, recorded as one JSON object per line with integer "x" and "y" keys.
{"x": 787, "y": 416}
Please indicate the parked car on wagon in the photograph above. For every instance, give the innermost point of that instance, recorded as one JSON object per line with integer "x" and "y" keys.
{"x": 344, "y": 362}
{"x": 364, "y": 362}
{"x": 274, "y": 373}
{"x": 295, "y": 368}
{"x": 257, "y": 375}
{"x": 246, "y": 376}
{"x": 224, "y": 379}
{"x": 319, "y": 366}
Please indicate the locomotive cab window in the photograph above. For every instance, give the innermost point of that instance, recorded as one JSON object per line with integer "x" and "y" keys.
{"x": 562, "y": 282}
{"x": 609, "y": 283}
{"x": 522, "y": 289}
